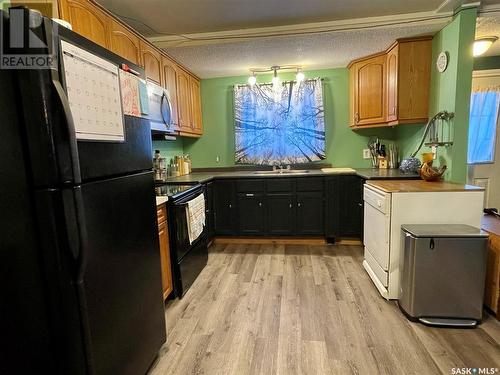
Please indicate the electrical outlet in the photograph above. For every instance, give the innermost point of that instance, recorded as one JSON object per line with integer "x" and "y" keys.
{"x": 366, "y": 153}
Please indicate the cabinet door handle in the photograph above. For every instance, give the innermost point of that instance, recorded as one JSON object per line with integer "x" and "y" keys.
{"x": 290, "y": 205}
{"x": 249, "y": 195}
{"x": 360, "y": 204}
{"x": 299, "y": 204}
{"x": 260, "y": 204}
{"x": 230, "y": 206}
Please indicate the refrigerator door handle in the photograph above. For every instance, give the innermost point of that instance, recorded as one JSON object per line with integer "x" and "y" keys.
{"x": 73, "y": 146}
{"x": 76, "y": 229}
{"x": 82, "y": 233}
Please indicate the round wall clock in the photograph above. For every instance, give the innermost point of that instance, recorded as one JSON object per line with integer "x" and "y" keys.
{"x": 442, "y": 62}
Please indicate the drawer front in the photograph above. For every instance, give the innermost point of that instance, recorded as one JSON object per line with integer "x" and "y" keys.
{"x": 310, "y": 184}
{"x": 380, "y": 201}
{"x": 161, "y": 213}
{"x": 249, "y": 186}
{"x": 279, "y": 185}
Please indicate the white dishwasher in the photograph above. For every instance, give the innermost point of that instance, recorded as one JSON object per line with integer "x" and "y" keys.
{"x": 377, "y": 229}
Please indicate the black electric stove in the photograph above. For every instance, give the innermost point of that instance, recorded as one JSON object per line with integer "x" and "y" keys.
{"x": 188, "y": 258}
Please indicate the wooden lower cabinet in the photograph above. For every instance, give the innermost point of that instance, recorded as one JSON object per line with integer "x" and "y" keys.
{"x": 166, "y": 267}
{"x": 309, "y": 214}
{"x": 330, "y": 207}
{"x": 280, "y": 214}
{"x": 492, "y": 285}
{"x": 224, "y": 203}
{"x": 251, "y": 218}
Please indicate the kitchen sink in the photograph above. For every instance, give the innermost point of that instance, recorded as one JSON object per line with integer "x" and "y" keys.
{"x": 284, "y": 171}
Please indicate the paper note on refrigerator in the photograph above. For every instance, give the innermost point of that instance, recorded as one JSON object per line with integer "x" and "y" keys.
{"x": 93, "y": 91}
{"x": 129, "y": 85}
{"x": 143, "y": 93}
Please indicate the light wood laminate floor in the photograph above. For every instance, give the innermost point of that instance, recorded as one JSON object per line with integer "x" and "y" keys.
{"x": 274, "y": 309}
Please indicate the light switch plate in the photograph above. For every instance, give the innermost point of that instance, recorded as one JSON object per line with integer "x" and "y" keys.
{"x": 366, "y": 153}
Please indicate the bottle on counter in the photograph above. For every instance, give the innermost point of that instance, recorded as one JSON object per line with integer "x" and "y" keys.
{"x": 175, "y": 169}
{"x": 159, "y": 167}
{"x": 189, "y": 166}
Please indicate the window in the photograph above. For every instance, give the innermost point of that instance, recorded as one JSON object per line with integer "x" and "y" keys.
{"x": 482, "y": 126}
{"x": 283, "y": 125}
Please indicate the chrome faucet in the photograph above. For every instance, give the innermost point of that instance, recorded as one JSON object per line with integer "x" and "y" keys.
{"x": 281, "y": 168}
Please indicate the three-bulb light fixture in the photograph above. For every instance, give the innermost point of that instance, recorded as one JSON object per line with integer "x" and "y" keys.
{"x": 299, "y": 76}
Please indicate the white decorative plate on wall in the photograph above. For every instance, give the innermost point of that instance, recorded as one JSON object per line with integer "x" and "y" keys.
{"x": 442, "y": 62}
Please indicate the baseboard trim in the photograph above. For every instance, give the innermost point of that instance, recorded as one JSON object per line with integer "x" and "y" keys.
{"x": 349, "y": 242}
{"x": 283, "y": 241}
{"x": 270, "y": 240}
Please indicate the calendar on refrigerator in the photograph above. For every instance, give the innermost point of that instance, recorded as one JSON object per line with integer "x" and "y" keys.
{"x": 93, "y": 89}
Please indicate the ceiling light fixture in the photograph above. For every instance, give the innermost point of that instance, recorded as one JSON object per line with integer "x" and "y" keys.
{"x": 252, "y": 80}
{"x": 481, "y": 45}
{"x": 299, "y": 77}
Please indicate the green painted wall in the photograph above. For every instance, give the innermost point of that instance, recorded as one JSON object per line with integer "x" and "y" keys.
{"x": 169, "y": 149}
{"x": 343, "y": 146}
{"x": 487, "y": 62}
{"x": 450, "y": 91}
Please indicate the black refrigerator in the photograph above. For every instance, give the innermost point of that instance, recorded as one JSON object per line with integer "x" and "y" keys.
{"x": 80, "y": 261}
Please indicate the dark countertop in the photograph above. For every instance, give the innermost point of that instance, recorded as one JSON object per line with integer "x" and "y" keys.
{"x": 385, "y": 174}
{"x": 366, "y": 173}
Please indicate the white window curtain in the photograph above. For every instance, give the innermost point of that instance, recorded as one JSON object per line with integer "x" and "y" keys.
{"x": 482, "y": 125}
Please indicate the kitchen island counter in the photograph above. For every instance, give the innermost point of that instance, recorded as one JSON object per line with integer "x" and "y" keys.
{"x": 421, "y": 186}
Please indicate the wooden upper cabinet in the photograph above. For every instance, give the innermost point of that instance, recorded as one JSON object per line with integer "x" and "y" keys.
{"x": 414, "y": 80}
{"x": 196, "y": 105}
{"x": 184, "y": 101}
{"x": 392, "y": 84}
{"x": 86, "y": 19}
{"x": 151, "y": 61}
{"x": 170, "y": 83}
{"x": 97, "y": 24}
{"x": 123, "y": 42}
{"x": 391, "y": 88}
{"x": 369, "y": 91}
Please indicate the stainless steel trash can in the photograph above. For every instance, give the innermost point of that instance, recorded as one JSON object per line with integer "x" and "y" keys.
{"x": 442, "y": 274}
